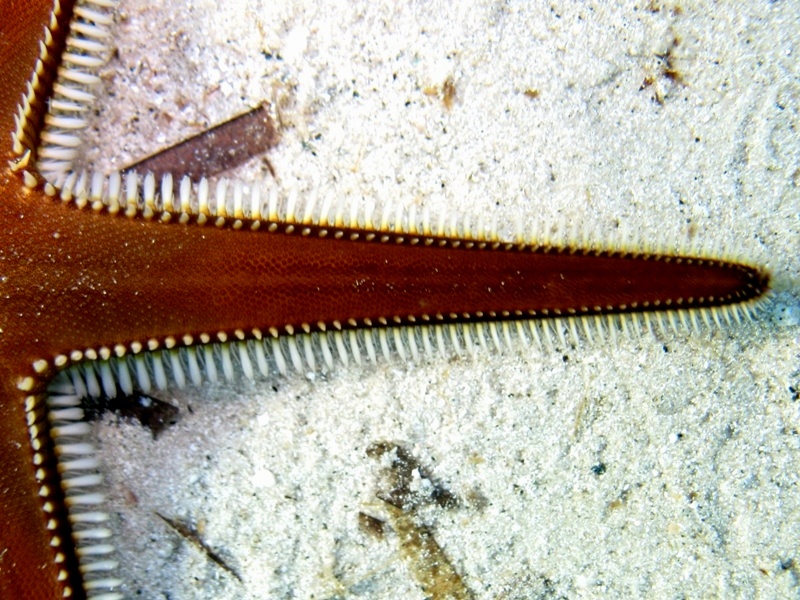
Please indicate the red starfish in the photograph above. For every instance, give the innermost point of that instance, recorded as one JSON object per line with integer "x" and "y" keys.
{"x": 79, "y": 283}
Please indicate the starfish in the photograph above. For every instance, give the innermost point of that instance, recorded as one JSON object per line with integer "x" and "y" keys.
{"x": 89, "y": 274}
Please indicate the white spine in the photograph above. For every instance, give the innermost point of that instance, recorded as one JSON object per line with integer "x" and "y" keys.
{"x": 82, "y": 484}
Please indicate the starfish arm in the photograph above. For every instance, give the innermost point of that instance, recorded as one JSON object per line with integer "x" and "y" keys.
{"x": 77, "y": 280}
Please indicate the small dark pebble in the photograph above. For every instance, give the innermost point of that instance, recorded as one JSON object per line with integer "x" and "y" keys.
{"x": 152, "y": 413}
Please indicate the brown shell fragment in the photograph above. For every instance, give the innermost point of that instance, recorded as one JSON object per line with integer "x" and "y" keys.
{"x": 215, "y": 150}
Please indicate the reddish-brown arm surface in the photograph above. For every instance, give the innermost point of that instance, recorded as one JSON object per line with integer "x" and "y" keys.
{"x": 26, "y": 559}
